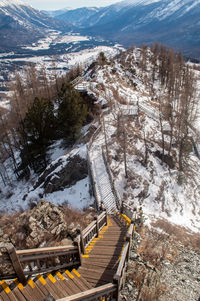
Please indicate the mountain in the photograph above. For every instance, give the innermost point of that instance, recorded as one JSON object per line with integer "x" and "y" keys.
{"x": 79, "y": 16}
{"x": 55, "y": 13}
{"x": 21, "y": 24}
{"x": 173, "y": 22}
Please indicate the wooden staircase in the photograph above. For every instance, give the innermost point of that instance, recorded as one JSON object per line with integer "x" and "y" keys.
{"x": 103, "y": 254}
{"x": 98, "y": 267}
{"x": 58, "y": 286}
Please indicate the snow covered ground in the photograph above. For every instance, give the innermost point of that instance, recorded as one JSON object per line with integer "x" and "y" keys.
{"x": 20, "y": 194}
{"x": 55, "y": 37}
{"x": 154, "y": 187}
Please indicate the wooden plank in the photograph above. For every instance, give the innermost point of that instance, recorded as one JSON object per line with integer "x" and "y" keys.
{"x": 90, "y": 294}
{"x": 72, "y": 278}
{"x": 99, "y": 271}
{"x": 71, "y": 284}
{"x": 89, "y": 228}
{"x": 96, "y": 282}
{"x": 87, "y": 285}
{"x": 122, "y": 260}
{"x": 42, "y": 288}
{"x": 27, "y": 294}
{"x": 108, "y": 243}
{"x": 45, "y": 287}
{"x": 115, "y": 251}
{"x": 63, "y": 283}
{"x": 99, "y": 265}
{"x": 33, "y": 257}
{"x": 18, "y": 294}
{"x": 6, "y": 292}
{"x": 4, "y": 296}
{"x": 12, "y": 297}
{"x": 32, "y": 292}
{"x": 53, "y": 287}
{"x": 45, "y": 250}
{"x": 54, "y": 268}
{"x": 77, "y": 281}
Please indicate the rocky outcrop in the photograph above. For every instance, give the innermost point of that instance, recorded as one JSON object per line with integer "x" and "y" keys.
{"x": 43, "y": 225}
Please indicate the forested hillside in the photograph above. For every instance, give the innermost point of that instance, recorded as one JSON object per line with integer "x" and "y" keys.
{"x": 150, "y": 97}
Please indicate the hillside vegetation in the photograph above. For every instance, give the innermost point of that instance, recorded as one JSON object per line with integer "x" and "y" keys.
{"x": 150, "y": 141}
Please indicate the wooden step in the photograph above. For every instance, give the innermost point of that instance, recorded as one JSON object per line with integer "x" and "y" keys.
{"x": 87, "y": 285}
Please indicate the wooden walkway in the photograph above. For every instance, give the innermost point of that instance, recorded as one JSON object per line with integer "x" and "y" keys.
{"x": 99, "y": 265}
{"x": 101, "y": 262}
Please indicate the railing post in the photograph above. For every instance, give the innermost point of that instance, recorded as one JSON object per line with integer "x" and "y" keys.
{"x": 77, "y": 243}
{"x": 16, "y": 263}
{"x": 106, "y": 217}
{"x": 116, "y": 280}
{"x": 82, "y": 246}
{"x": 122, "y": 207}
{"x": 97, "y": 224}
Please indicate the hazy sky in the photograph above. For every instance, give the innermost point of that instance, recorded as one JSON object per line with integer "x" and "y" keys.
{"x": 57, "y": 4}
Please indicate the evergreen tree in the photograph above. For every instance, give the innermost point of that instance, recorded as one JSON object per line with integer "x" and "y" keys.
{"x": 37, "y": 130}
{"x": 71, "y": 112}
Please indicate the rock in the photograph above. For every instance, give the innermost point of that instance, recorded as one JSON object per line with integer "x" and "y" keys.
{"x": 66, "y": 242}
{"x": 72, "y": 230}
{"x": 133, "y": 255}
{"x": 69, "y": 172}
{"x": 130, "y": 288}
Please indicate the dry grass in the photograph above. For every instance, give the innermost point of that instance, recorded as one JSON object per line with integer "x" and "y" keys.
{"x": 83, "y": 218}
{"x": 154, "y": 248}
{"x": 153, "y": 293}
{"x": 178, "y": 233}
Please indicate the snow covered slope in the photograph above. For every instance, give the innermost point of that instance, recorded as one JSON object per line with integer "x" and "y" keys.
{"x": 21, "y": 24}
{"x": 162, "y": 191}
{"x": 172, "y": 22}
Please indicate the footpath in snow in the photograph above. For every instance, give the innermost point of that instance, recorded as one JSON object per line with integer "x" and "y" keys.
{"x": 103, "y": 185}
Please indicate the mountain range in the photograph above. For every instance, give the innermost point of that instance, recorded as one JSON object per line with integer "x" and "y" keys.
{"x": 21, "y": 24}
{"x": 175, "y": 23}
{"x": 172, "y": 22}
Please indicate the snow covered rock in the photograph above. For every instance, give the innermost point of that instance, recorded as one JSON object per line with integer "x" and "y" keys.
{"x": 61, "y": 174}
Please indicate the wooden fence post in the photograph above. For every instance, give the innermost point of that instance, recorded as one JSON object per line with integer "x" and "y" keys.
{"x": 116, "y": 280}
{"x": 106, "y": 217}
{"x": 77, "y": 243}
{"x": 16, "y": 263}
{"x": 122, "y": 207}
{"x": 97, "y": 224}
{"x": 82, "y": 246}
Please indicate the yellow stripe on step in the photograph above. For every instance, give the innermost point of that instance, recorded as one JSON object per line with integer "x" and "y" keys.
{"x": 41, "y": 279}
{"x": 76, "y": 273}
{"x": 69, "y": 274}
{"x": 5, "y": 287}
{"x": 60, "y": 276}
{"x": 31, "y": 283}
{"x": 51, "y": 278}
{"x": 85, "y": 256}
{"x": 19, "y": 285}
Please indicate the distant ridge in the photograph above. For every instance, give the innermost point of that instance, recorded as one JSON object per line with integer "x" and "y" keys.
{"x": 21, "y": 24}
{"x": 174, "y": 23}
